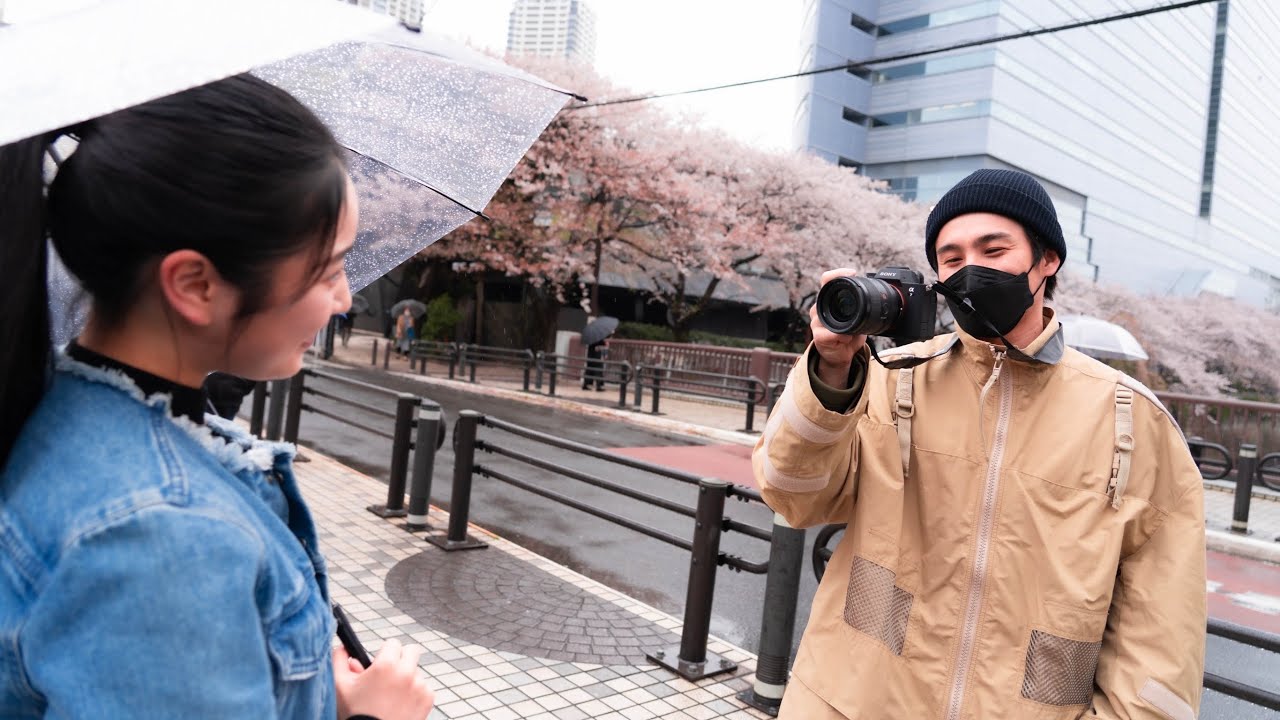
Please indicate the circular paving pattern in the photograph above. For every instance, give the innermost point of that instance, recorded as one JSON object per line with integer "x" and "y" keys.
{"x": 497, "y": 601}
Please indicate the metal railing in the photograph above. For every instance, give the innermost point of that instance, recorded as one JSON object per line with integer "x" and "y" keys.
{"x": 604, "y": 372}
{"x": 1231, "y": 631}
{"x": 423, "y": 351}
{"x": 1226, "y": 421}
{"x": 418, "y": 429}
{"x": 691, "y": 660}
{"x": 473, "y": 355}
{"x": 748, "y": 390}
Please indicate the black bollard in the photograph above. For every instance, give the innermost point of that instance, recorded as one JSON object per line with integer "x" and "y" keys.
{"x": 424, "y": 461}
{"x": 692, "y": 661}
{"x": 1245, "y": 470}
{"x": 293, "y": 408}
{"x": 406, "y": 408}
{"x": 777, "y": 626}
{"x": 275, "y": 410}
{"x": 259, "y": 410}
{"x": 464, "y": 454}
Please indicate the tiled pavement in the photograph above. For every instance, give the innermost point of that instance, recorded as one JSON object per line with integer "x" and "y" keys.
{"x": 508, "y": 634}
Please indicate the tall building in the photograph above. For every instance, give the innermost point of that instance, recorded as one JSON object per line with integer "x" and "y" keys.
{"x": 1154, "y": 135}
{"x": 408, "y": 12}
{"x": 552, "y": 28}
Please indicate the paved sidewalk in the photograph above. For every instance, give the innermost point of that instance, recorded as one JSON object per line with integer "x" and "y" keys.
{"x": 508, "y": 634}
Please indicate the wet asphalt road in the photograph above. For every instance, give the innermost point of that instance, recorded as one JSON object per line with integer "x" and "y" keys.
{"x": 646, "y": 569}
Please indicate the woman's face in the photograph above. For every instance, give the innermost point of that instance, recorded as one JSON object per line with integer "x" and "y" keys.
{"x": 271, "y": 343}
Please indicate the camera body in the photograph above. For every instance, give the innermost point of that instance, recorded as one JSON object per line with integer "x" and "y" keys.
{"x": 894, "y": 302}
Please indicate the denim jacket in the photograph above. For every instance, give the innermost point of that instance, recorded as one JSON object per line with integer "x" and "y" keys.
{"x": 155, "y": 568}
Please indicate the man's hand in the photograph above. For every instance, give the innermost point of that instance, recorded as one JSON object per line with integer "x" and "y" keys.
{"x": 835, "y": 352}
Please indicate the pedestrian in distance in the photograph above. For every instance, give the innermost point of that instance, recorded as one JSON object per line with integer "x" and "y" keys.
{"x": 159, "y": 562}
{"x": 1025, "y": 524}
{"x": 404, "y": 332}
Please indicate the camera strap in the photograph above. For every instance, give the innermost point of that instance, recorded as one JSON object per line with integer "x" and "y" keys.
{"x": 906, "y": 362}
{"x": 1011, "y": 350}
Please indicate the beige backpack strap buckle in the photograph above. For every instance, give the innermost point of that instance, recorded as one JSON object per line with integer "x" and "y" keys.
{"x": 1124, "y": 445}
{"x": 903, "y": 409}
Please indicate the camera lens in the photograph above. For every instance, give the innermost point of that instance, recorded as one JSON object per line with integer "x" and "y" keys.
{"x": 858, "y": 306}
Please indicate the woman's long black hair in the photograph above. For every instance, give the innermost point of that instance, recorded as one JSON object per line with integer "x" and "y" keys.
{"x": 237, "y": 170}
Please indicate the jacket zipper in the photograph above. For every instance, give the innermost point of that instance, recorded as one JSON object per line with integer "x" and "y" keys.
{"x": 986, "y": 524}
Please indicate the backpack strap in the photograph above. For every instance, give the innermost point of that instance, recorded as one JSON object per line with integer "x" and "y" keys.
{"x": 903, "y": 409}
{"x": 1124, "y": 445}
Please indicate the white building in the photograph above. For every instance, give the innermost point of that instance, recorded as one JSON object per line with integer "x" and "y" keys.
{"x": 1156, "y": 136}
{"x": 552, "y": 28}
{"x": 408, "y": 12}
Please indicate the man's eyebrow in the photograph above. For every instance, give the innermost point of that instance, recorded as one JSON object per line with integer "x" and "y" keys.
{"x": 984, "y": 240}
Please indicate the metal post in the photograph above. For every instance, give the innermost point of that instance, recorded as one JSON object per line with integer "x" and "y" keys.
{"x": 374, "y": 360}
{"x": 778, "y": 625}
{"x": 453, "y": 359}
{"x": 639, "y": 386}
{"x": 293, "y": 412}
{"x": 624, "y": 376}
{"x": 386, "y": 356}
{"x": 422, "y": 361}
{"x": 657, "y": 381}
{"x": 464, "y": 454}
{"x": 259, "y": 409}
{"x": 537, "y": 384}
{"x": 551, "y": 378}
{"x": 471, "y": 361}
{"x": 751, "y": 407}
{"x": 1246, "y": 468}
{"x": 406, "y": 408}
{"x": 275, "y": 411}
{"x": 424, "y": 461}
{"x": 528, "y": 366}
{"x": 692, "y": 661}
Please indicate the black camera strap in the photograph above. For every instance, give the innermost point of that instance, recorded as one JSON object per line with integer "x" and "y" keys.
{"x": 906, "y": 362}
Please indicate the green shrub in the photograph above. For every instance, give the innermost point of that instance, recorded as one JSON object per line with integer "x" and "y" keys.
{"x": 441, "y": 319}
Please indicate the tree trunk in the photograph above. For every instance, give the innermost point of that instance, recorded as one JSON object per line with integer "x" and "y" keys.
{"x": 595, "y": 281}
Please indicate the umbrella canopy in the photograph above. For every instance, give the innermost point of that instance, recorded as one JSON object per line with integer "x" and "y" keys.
{"x": 416, "y": 307}
{"x": 359, "y": 304}
{"x": 1100, "y": 339}
{"x": 432, "y": 128}
{"x": 599, "y": 329}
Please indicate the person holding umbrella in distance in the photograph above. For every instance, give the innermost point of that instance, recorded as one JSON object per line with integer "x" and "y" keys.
{"x": 595, "y": 336}
{"x": 158, "y": 561}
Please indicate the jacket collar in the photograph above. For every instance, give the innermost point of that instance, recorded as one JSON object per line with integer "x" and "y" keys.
{"x": 1046, "y": 350}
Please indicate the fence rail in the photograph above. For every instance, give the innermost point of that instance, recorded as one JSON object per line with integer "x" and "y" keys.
{"x": 591, "y": 370}
{"x": 747, "y": 390}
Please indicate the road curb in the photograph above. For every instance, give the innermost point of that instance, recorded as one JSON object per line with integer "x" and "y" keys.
{"x": 1246, "y": 547}
{"x": 644, "y": 420}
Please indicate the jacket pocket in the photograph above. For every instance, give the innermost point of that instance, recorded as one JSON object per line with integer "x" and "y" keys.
{"x": 875, "y": 606}
{"x": 299, "y": 640}
{"x": 1060, "y": 663}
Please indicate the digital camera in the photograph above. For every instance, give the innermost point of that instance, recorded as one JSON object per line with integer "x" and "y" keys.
{"x": 894, "y": 302}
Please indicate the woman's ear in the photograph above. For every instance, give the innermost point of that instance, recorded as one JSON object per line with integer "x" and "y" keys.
{"x": 193, "y": 288}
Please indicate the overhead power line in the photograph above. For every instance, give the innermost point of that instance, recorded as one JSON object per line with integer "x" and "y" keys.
{"x": 919, "y": 53}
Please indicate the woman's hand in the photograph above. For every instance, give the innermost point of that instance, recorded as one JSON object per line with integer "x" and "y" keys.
{"x": 391, "y": 688}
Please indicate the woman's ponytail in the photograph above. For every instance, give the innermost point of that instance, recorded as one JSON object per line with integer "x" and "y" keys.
{"x": 24, "y": 296}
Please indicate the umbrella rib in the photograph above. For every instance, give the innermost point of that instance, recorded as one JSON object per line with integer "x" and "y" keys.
{"x": 528, "y": 81}
{"x": 419, "y": 181}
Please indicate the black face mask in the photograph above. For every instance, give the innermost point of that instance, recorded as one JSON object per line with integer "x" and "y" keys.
{"x": 983, "y": 299}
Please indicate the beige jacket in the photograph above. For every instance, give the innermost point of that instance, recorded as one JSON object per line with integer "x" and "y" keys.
{"x": 1006, "y": 577}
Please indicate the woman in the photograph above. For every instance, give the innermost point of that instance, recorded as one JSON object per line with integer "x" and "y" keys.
{"x": 404, "y": 332}
{"x": 158, "y": 562}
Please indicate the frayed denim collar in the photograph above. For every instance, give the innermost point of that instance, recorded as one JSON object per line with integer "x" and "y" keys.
{"x": 234, "y": 448}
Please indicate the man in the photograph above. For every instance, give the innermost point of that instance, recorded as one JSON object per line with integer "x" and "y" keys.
{"x": 1025, "y": 525}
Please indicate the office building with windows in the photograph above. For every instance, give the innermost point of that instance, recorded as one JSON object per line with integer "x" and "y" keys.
{"x": 552, "y": 28}
{"x": 1156, "y": 136}
{"x": 408, "y": 12}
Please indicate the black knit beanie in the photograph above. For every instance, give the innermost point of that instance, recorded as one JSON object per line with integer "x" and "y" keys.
{"x": 1011, "y": 193}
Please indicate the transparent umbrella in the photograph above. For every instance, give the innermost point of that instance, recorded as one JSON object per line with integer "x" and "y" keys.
{"x": 432, "y": 128}
{"x": 1100, "y": 339}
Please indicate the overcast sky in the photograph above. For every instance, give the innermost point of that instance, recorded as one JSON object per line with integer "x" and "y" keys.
{"x": 668, "y": 45}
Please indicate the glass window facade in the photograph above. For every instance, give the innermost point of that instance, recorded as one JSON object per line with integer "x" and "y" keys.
{"x": 960, "y": 14}
{"x": 938, "y": 66}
